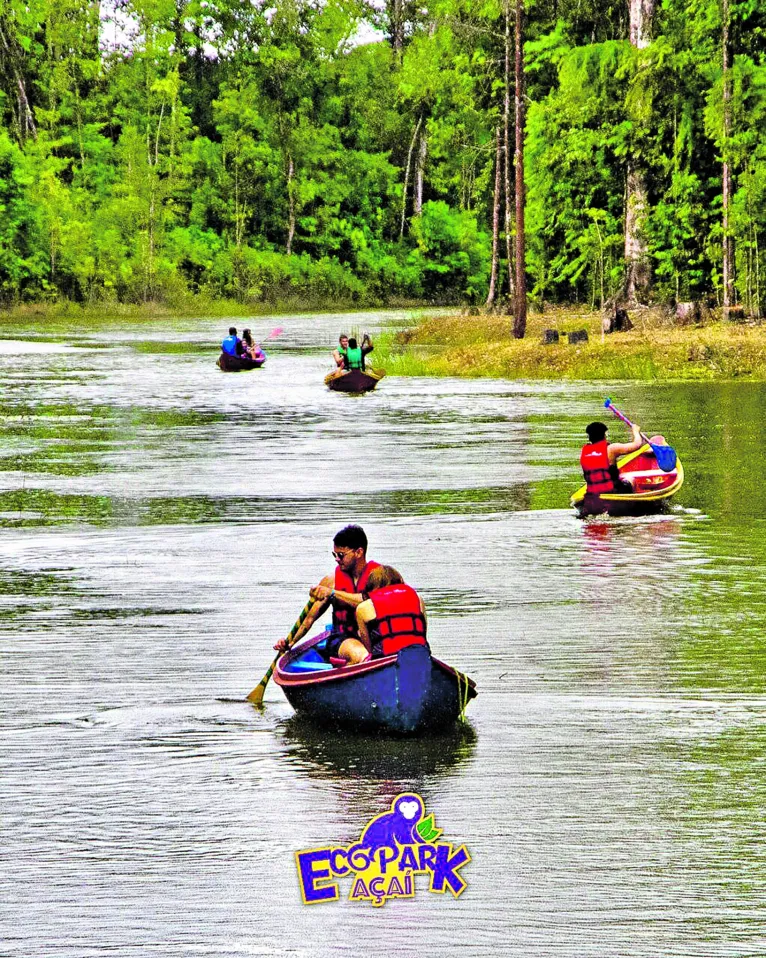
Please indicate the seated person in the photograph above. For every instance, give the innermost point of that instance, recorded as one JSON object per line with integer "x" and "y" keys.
{"x": 393, "y": 616}
{"x": 598, "y": 459}
{"x": 354, "y": 355}
{"x": 233, "y": 345}
{"x": 252, "y": 349}
{"x": 339, "y": 354}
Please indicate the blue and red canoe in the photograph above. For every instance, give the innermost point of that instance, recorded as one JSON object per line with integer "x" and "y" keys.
{"x": 406, "y": 693}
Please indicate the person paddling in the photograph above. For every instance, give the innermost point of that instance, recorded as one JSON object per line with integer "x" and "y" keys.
{"x": 344, "y": 590}
{"x": 339, "y": 354}
{"x": 252, "y": 349}
{"x": 598, "y": 459}
{"x": 394, "y": 615}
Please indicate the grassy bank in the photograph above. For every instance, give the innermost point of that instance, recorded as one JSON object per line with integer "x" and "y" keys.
{"x": 654, "y": 350}
{"x": 187, "y": 308}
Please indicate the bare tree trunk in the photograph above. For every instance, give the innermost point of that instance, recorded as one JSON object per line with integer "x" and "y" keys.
{"x": 420, "y": 164}
{"x": 520, "y": 311}
{"x": 396, "y": 25}
{"x": 291, "y": 202}
{"x": 728, "y": 245}
{"x": 507, "y": 150}
{"x": 26, "y": 117}
{"x": 638, "y": 276}
{"x": 495, "y": 222}
{"x": 407, "y": 175}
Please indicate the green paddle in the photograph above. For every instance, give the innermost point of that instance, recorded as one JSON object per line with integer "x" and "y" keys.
{"x": 256, "y": 696}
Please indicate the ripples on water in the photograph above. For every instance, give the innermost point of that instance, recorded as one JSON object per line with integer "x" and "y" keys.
{"x": 160, "y": 524}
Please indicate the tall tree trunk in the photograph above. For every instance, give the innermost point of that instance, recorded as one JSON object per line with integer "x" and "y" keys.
{"x": 728, "y": 244}
{"x": 10, "y": 58}
{"x": 396, "y": 25}
{"x": 638, "y": 276}
{"x": 507, "y": 151}
{"x": 407, "y": 175}
{"x": 495, "y": 221}
{"x": 520, "y": 310}
{"x": 291, "y": 203}
{"x": 420, "y": 165}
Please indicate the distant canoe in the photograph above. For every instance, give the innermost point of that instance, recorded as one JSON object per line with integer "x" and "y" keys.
{"x": 353, "y": 380}
{"x": 407, "y": 693}
{"x": 652, "y": 488}
{"x": 235, "y": 364}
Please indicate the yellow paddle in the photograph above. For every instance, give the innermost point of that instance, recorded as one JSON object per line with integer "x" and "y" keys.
{"x": 256, "y": 696}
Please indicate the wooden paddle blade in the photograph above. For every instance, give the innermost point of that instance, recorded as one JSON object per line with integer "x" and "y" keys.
{"x": 256, "y": 696}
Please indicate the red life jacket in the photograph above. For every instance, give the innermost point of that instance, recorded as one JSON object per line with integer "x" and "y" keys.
{"x": 595, "y": 467}
{"x": 343, "y": 616}
{"x": 399, "y": 621}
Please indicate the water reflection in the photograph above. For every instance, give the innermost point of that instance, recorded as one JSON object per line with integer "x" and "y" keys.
{"x": 180, "y": 514}
{"x": 404, "y": 763}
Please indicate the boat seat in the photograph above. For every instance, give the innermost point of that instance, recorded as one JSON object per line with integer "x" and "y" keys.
{"x": 643, "y": 474}
{"x": 310, "y": 661}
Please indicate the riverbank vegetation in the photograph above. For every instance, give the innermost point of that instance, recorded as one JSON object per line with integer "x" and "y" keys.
{"x": 655, "y": 349}
{"x": 157, "y": 150}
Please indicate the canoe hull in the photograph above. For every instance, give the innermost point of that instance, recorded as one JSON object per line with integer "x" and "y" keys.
{"x": 652, "y": 488}
{"x": 353, "y": 380}
{"x": 236, "y": 364}
{"x": 404, "y": 694}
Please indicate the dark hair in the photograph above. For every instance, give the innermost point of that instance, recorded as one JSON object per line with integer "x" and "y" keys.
{"x": 352, "y": 343}
{"x": 232, "y": 330}
{"x": 381, "y": 576}
{"x": 596, "y": 431}
{"x": 351, "y": 537}
{"x": 247, "y": 337}
{"x": 342, "y": 336}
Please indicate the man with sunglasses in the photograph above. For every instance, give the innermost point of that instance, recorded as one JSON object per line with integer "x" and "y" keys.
{"x": 344, "y": 590}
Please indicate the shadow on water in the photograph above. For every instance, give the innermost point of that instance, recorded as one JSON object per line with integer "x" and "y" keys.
{"x": 398, "y": 763}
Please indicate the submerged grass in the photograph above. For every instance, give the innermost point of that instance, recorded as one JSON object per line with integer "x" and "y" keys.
{"x": 475, "y": 346}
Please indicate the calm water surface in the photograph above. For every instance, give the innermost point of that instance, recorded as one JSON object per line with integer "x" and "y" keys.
{"x": 160, "y": 523}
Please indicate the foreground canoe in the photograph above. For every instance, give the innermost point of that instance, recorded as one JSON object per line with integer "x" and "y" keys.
{"x": 652, "y": 488}
{"x": 407, "y": 693}
{"x": 353, "y": 380}
{"x": 235, "y": 364}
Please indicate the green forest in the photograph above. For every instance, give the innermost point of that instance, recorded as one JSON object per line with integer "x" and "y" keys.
{"x": 343, "y": 151}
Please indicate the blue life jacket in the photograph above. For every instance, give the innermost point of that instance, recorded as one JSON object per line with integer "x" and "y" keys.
{"x": 229, "y": 345}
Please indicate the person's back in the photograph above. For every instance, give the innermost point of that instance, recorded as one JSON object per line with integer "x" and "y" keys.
{"x": 354, "y": 357}
{"x": 232, "y": 345}
{"x": 393, "y": 617}
{"x": 598, "y": 459}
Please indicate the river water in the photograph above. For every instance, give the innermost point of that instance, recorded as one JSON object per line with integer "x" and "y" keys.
{"x": 160, "y": 523}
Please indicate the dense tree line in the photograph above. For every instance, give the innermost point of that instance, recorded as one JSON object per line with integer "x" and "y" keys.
{"x": 151, "y": 148}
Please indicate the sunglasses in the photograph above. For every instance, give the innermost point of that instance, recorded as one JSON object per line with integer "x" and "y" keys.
{"x": 338, "y": 556}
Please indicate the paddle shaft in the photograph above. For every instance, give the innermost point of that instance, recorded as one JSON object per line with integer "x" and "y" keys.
{"x": 256, "y": 696}
{"x": 624, "y": 418}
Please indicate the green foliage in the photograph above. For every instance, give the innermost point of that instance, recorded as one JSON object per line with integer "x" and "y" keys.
{"x": 260, "y": 152}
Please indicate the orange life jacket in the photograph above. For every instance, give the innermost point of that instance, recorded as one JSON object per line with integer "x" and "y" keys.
{"x": 398, "y": 619}
{"x": 595, "y": 467}
{"x": 343, "y": 616}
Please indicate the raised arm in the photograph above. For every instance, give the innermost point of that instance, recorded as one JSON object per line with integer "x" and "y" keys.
{"x": 615, "y": 449}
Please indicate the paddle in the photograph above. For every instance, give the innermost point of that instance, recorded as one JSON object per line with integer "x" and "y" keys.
{"x": 665, "y": 455}
{"x": 256, "y": 696}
